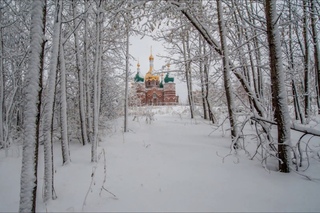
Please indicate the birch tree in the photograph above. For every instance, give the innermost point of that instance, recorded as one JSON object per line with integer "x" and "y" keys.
{"x": 28, "y": 181}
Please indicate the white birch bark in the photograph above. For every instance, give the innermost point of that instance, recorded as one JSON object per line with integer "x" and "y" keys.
{"x": 28, "y": 181}
{"x": 48, "y": 109}
{"x": 63, "y": 108}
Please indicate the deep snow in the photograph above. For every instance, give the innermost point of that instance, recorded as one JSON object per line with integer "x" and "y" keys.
{"x": 172, "y": 164}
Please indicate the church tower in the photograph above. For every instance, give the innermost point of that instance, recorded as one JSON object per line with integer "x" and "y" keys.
{"x": 151, "y": 90}
{"x": 169, "y": 89}
{"x": 140, "y": 88}
{"x": 150, "y": 79}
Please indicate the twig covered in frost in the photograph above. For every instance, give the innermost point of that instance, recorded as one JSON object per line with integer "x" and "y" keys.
{"x": 94, "y": 169}
{"x": 221, "y": 125}
{"x": 90, "y": 186}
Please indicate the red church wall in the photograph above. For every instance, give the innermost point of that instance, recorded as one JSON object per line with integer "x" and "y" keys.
{"x": 154, "y": 96}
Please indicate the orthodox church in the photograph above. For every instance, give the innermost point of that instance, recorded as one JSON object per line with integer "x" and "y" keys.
{"x": 153, "y": 89}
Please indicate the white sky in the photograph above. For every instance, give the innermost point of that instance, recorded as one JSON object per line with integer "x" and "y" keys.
{"x": 140, "y": 49}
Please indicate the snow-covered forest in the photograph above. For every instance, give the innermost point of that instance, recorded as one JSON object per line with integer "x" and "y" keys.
{"x": 252, "y": 72}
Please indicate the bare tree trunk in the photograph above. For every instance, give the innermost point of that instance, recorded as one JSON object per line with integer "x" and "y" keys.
{"x": 96, "y": 84}
{"x": 1, "y": 84}
{"x": 48, "y": 109}
{"x": 298, "y": 113}
{"x": 80, "y": 76}
{"x": 306, "y": 61}
{"x": 279, "y": 95}
{"x": 185, "y": 42}
{"x": 316, "y": 50}
{"x": 258, "y": 80}
{"x": 125, "y": 129}
{"x": 227, "y": 76}
{"x": 297, "y": 108}
{"x": 206, "y": 79}
{"x": 63, "y": 108}
{"x": 28, "y": 181}
{"x": 86, "y": 61}
{"x": 201, "y": 64}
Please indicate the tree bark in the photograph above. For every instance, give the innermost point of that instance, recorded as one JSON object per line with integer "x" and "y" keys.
{"x": 187, "y": 62}
{"x": 88, "y": 83}
{"x": 201, "y": 64}
{"x": 306, "y": 61}
{"x": 28, "y": 181}
{"x": 227, "y": 76}
{"x": 2, "y": 143}
{"x": 80, "y": 78}
{"x": 316, "y": 50}
{"x": 279, "y": 95}
{"x": 125, "y": 129}
{"x": 96, "y": 87}
{"x": 49, "y": 107}
{"x": 297, "y": 108}
{"x": 63, "y": 108}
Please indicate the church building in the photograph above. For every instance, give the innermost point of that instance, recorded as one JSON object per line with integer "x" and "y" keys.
{"x": 153, "y": 89}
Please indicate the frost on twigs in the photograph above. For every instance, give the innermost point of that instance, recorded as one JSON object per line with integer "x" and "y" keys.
{"x": 95, "y": 178}
{"x": 143, "y": 112}
{"x": 302, "y": 151}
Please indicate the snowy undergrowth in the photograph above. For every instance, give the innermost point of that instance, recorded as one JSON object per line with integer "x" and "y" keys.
{"x": 172, "y": 164}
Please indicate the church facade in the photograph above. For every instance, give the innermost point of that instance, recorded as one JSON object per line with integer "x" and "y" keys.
{"x": 153, "y": 89}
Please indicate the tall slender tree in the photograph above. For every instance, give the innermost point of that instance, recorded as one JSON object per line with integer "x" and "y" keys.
{"x": 63, "y": 107}
{"x": 96, "y": 83}
{"x": 279, "y": 95}
{"x": 306, "y": 60}
{"x": 1, "y": 81}
{"x": 227, "y": 75}
{"x": 80, "y": 77}
{"x": 316, "y": 47}
{"x": 49, "y": 106}
{"x": 28, "y": 181}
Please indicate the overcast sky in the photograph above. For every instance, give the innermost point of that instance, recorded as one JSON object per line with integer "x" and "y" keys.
{"x": 140, "y": 50}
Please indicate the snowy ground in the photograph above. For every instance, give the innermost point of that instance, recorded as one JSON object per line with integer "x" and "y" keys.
{"x": 172, "y": 164}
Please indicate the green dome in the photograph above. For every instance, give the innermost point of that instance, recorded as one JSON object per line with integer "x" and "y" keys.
{"x": 168, "y": 79}
{"x": 137, "y": 78}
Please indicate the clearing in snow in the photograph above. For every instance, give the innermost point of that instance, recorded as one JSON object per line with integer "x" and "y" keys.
{"x": 171, "y": 164}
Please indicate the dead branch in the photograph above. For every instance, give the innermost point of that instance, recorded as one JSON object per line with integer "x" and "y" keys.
{"x": 295, "y": 127}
